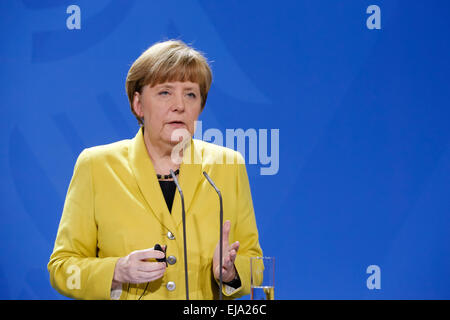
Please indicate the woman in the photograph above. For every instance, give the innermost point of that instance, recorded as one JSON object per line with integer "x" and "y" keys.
{"x": 122, "y": 201}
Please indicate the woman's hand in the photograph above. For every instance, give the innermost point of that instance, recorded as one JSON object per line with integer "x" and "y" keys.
{"x": 229, "y": 255}
{"x": 135, "y": 269}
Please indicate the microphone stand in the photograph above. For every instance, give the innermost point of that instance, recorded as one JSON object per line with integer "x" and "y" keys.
{"x": 221, "y": 233}
{"x": 183, "y": 215}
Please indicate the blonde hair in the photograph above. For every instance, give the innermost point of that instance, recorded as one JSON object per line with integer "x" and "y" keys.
{"x": 171, "y": 60}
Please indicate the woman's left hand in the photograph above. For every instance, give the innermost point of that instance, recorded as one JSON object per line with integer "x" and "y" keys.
{"x": 229, "y": 256}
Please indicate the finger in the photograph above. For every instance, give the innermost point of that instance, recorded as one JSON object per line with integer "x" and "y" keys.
{"x": 149, "y": 276}
{"x": 142, "y": 277}
{"x": 226, "y": 232}
{"x": 150, "y": 266}
{"x": 147, "y": 254}
{"x": 151, "y": 271}
{"x": 230, "y": 258}
{"x": 227, "y": 261}
{"x": 235, "y": 246}
{"x": 232, "y": 253}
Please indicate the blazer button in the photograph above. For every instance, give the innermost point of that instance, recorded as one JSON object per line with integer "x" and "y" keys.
{"x": 170, "y": 286}
{"x": 171, "y": 260}
{"x": 170, "y": 235}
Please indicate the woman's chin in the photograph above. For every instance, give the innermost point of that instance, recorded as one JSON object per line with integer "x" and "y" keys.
{"x": 178, "y": 135}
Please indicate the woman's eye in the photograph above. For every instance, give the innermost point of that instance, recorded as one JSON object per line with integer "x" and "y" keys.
{"x": 192, "y": 95}
{"x": 164, "y": 93}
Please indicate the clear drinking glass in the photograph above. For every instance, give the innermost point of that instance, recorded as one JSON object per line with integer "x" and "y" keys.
{"x": 262, "y": 270}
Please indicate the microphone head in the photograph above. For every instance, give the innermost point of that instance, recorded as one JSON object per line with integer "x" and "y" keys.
{"x": 211, "y": 183}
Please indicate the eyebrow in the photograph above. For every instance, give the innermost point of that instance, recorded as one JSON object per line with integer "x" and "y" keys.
{"x": 171, "y": 87}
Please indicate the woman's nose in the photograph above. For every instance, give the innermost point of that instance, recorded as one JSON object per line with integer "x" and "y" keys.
{"x": 178, "y": 104}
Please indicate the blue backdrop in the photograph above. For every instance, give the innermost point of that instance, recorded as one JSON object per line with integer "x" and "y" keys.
{"x": 362, "y": 112}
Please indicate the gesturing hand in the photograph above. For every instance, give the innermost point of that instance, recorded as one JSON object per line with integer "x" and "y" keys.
{"x": 229, "y": 256}
{"x": 135, "y": 269}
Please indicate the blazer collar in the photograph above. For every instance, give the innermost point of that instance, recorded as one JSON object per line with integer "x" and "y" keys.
{"x": 189, "y": 178}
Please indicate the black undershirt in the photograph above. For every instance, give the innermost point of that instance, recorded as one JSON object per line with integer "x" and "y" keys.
{"x": 168, "y": 190}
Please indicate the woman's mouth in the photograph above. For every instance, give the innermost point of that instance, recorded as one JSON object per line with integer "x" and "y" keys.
{"x": 177, "y": 124}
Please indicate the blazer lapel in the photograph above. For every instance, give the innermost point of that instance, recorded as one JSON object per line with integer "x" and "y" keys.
{"x": 145, "y": 174}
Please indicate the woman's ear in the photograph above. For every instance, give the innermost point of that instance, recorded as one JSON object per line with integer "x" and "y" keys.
{"x": 137, "y": 105}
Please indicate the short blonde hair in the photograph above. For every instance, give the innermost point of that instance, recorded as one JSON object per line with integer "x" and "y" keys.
{"x": 171, "y": 60}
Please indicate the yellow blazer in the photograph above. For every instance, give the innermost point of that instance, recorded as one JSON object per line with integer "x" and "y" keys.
{"x": 114, "y": 205}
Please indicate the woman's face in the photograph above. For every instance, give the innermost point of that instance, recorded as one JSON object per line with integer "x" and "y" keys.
{"x": 167, "y": 107}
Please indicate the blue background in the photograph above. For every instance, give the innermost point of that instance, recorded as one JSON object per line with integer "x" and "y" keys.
{"x": 363, "y": 115}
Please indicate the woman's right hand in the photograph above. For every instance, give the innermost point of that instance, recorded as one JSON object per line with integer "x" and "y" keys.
{"x": 135, "y": 269}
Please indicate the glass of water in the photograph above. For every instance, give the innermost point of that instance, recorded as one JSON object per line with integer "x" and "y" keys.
{"x": 262, "y": 271}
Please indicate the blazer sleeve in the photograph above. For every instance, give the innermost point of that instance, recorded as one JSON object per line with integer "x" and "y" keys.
{"x": 74, "y": 267}
{"x": 246, "y": 232}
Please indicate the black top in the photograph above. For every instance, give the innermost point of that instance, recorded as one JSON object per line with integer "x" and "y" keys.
{"x": 168, "y": 190}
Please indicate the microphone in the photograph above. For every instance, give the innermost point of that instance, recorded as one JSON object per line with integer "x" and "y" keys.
{"x": 183, "y": 215}
{"x": 221, "y": 232}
